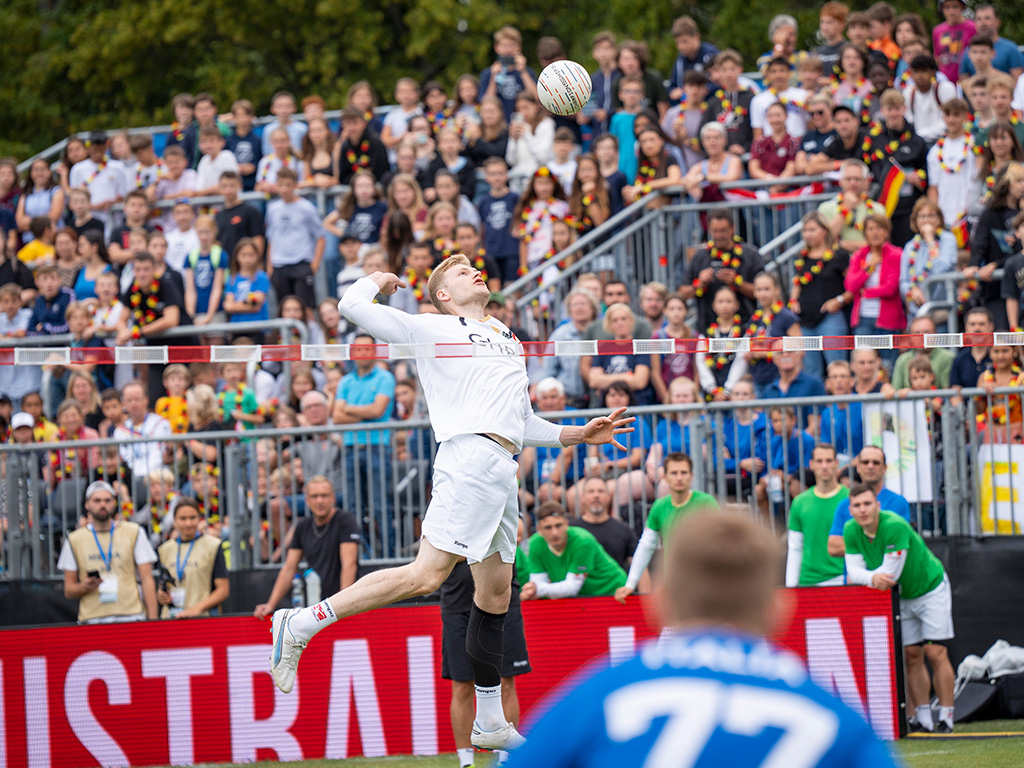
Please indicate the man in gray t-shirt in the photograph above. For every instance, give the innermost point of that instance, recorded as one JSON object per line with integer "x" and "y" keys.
{"x": 295, "y": 242}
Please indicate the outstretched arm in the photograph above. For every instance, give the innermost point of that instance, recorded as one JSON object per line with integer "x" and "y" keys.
{"x": 540, "y": 432}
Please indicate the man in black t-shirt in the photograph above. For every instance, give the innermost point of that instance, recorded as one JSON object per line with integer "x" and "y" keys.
{"x": 327, "y": 539}
{"x": 617, "y": 538}
{"x": 847, "y": 144}
{"x": 237, "y": 219}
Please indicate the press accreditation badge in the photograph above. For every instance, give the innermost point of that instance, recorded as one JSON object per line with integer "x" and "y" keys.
{"x": 108, "y": 588}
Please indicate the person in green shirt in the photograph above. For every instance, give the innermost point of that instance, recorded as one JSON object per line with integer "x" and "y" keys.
{"x": 568, "y": 561}
{"x": 810, "y": 518}
{"x": 941, "y": 359}
{"x": 665, "y": 513}
{"x": 882, "y": 550}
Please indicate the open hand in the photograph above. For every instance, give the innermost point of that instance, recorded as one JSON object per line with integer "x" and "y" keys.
{"x": 387, "y": 282}
{"x": 603, "y": 429}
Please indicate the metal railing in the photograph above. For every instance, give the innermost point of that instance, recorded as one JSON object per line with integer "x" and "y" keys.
{"x": 949, "y": 281}
{"x": 951, "y": 465}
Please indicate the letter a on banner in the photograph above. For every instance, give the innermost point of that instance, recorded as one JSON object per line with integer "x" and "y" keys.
{"x": 352, "y": 673}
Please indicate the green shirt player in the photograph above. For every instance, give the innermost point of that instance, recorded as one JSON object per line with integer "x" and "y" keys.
{"x": 665, "y": 513}
{"x": 882, "y": 550}
{"x": 568, "y": 561}
{"x": 810, "y": 518}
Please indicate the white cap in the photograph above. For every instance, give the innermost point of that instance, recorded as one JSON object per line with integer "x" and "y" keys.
{"x": 22, "y": 419}
{"x": 97, "y": 486}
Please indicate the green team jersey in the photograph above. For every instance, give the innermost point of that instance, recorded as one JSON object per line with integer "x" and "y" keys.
{"x": 923, "y": 571}
{"x": 664, "y": 514}
{"x": 812, "y": 515}
{"x": 584, "y": 555}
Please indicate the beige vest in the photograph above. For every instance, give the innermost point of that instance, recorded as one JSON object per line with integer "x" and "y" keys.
{"x": 198, "y": 568}
{"x": 122, "y": 565}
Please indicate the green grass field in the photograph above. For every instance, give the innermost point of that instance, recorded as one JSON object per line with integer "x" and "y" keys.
{"x": 917, "y": 752}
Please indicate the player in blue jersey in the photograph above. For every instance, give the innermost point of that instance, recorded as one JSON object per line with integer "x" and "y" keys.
{"x": 714, "y": 694}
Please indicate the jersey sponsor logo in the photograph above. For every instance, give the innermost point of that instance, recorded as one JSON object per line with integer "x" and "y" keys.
{"x": 319, "y": 612}
{"x": 521, "y": 663}
{"x": 512, "y": 350}
{"x": 458, "y": 543}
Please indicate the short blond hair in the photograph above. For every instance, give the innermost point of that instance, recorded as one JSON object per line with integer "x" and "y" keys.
{"x": 437, "y": 278}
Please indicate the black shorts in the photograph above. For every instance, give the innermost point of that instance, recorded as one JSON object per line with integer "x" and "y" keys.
{"x": 294, "y": 280}
{"x": 455, "y": 663}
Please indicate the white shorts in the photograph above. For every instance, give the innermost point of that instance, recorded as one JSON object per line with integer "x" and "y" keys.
{"x": 474, "y": 508}
{"x": 928, "y": 617}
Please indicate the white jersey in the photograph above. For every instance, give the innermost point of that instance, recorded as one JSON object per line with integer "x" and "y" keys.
{"x": 465, "y": 395}
{"x": 953, "y": 185}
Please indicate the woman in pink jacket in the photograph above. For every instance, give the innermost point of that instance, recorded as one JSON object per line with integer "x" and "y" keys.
{"x": 874, "y": 281}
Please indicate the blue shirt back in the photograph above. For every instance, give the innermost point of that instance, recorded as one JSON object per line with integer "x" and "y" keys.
{"x": 802, "y": 386}
{"x": 887, "y": 499}
{"x": 621, "y": 127}
{"x": 745, "y": 442}
{"x": 843, "y": 428}
{"x": 496, "y": 215}
{"x": 796, "y": 453}
{"x": 363, "y": 390}
{"x": 702, "y": 700}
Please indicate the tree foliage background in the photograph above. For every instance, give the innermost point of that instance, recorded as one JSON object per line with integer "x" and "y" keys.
{"x": 72, "y": 65}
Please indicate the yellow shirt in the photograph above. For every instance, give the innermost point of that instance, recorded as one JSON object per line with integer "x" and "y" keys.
{"x": 36, "y": 250}
{"x": 175, "y": 410}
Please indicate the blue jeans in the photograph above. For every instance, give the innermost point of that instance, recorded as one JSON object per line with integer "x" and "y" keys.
{"x": 368, "y": 490}
{"x": 815, "y": 363}
{"x": 866, "y": 326}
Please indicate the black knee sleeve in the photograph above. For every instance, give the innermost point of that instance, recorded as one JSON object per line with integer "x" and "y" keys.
{"x": 483, "y": 644}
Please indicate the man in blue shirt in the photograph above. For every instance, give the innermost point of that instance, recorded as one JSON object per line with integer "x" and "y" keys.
{"x": 694, "y": 55}
{"x": 367, "y": 395}
{"x": 713, "y": 693}
{"x": 970, "y": 362}
{"x": 793, "y": 382}
{"x": 871, "y": 467}
{"x": 842, "y": 423}
{"x": 1007, "y": 58}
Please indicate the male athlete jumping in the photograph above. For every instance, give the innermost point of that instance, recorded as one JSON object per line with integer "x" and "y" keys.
{"x": 481, "y": 415}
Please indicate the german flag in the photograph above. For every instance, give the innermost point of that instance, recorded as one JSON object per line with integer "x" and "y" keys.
{"x": 962, "y": 233}
{"x": 890, "y": 194}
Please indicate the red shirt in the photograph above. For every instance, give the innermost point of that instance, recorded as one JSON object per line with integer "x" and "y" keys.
{"x": 774, "y": 157}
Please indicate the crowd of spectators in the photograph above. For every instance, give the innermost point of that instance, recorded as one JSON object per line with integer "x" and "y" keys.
{"x": 919, "y": 131}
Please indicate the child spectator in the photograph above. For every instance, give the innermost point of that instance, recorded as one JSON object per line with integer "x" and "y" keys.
{"x": 606, "y": 150}
{"x": 183, "y": 106}
{"x": 530, "y": 136}
{"x": 789, "y": 456}
{"x": 730, "y": 104}
{"x": 1000, "y": 95}
{"x": 466, "y": 105}
{"x": 78, "y": 316}
{"x": 925, "y": 97}
{"x": 136, "y": 213}
{"x": 440, "y": 230}
{"x": 589, "y": 203}
{"x": 542, "y": 202}
{"x": 183, "y": 238}
{"x": 831, "y": 22}
{"x": 449, "y": 158}
{"x": 858, "y": 29}
{"x": 436, "y": 108}
{"x": 951, "y": 164}
{"x": 951, "y": 38}
{"x": 97, "y": 261}
{"x": 880, "y": 21}
{"x": 351, "y": 269}
{"x": 238, "y": 407}
{"x": 65, "y": 246}
{"x": 694, "y": 56}
{"x": 508, "y": 76}
{"x": 563, "y": 164}
{"x": 446, "y": 185}
{"x": 272, "y": 163}
{"x": 14, "y": 318}
{"x": 318, "y": 154}
{"x": 496, "y": 212}
{"x": 361, "y": 96}
{"x": 295, "y": 241}
{"x": 147, "y": 168}
{"x": 156, "y": 246}
{"x": 467, "y": 237}
{"x": 980, "y": 53}
{"x": 605, "y": 52}
{"x": 237, "y": 219}
{"x": 40, "y": 247}
{"x": 215, "y": 160}
{"x": 244, "y": 144}
{"x": 406, "y": 195}
{"x": 179, "y": 181}
{"x": 80, "y": 205}
{"x": 719, "y": 372}
{"x": 419, "y": 263}
{"x": 113, "y": 414}
{"x": 245, "y": 298}
{"x": 204, "y": 274}
{"x": 362, "y": 210}
{"x": 173, "y": 405}
{"x": 850, "y": 86}
{"x": 396, "y": 122}
{"x": 104, "y": 179}
{"x": 109, "y": 315}
{"x": 682, "y": 122}
{"x": 488, "y": 137}
{"x": 282, "y": 107}
{"x": 658, "y": 169}
{"x": 361, "y": 149}
{"x": 773, "y": 156}
{"x": 41, "y": 195}
{"x": 631, "y": 94}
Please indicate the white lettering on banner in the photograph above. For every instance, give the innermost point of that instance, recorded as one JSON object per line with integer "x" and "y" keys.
{"x": 247, "y": 733}
{"x": 621, "y": 644}
{"x": 37, "y": 711}
{"x": 178, "y": 666}
{"x": 422, "y": 695}
{"x": 352, "y": 673}
{"x": 830, "y": 666}
{"x": 878, "y": 675}
{"x": 96, "y": 665}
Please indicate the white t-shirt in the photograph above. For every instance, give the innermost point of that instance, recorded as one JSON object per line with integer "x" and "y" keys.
{"x": 179, "y": 246}
{"x": 269, "y": 165}
{"x": 105, "y": 181}
{"x": 398, "y": 121}
{"x": 488, "y": 393}
{"x": 565, "y": 173}
{"x": 954, "y": 188}
{"x": 143, "y": 458}
{"x": 796, "y": 110}
{"x": 209, "y": 170}
{"x": 924, "y": 110}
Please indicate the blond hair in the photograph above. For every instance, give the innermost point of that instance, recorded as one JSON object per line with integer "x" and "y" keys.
{"x": 438, "y": 280}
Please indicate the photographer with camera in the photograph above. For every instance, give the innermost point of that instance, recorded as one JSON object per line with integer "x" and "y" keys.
{"x": 100, "y": 562}
{"x": 192, "y": 576}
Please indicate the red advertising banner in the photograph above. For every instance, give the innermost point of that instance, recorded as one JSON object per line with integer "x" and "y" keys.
{"x": 198, "y": 691}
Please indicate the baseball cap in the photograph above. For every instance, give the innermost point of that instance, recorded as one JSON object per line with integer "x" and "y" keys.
{"x": 99, "y": 485}
{"x": 22, "y": 419}
{"x": 496, "y": 297}
{"x": 348, "y": 238}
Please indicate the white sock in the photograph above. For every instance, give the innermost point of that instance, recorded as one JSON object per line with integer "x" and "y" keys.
{"x": 465, "y": 757}
{"x": 503, "y": 756}
{"x": 309, "y": 621}
{"x": 924, "y": 717}
{"x": 946, "y": 715}
{"x": 490, "y": 716}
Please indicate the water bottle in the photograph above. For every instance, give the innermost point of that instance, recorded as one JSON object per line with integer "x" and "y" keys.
{"x": 775, "y": 489}
{"x": 312, "y": 586}
{"x": 298, "y": 592}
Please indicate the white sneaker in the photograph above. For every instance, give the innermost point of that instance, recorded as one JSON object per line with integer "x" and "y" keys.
{"x": 285, "y": 651}
{"x": 506, "y": 737}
